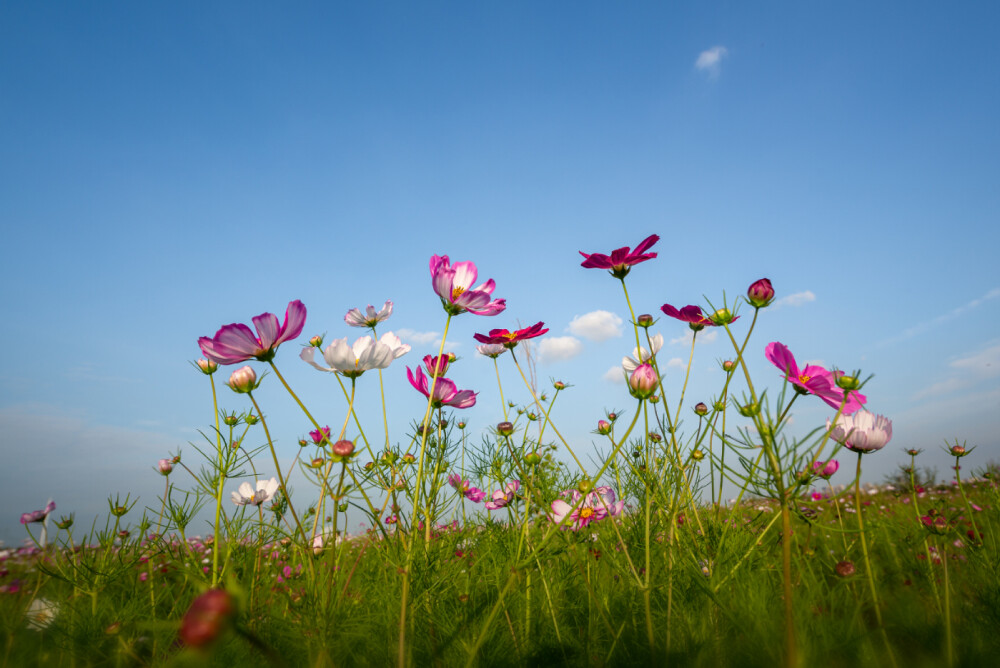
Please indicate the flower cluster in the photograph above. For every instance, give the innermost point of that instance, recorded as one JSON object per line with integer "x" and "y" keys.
{"x": 597, "y": 505}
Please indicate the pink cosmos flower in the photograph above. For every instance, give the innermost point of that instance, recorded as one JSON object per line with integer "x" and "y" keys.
{"x": 862, "y": 432}
{"x": 320, "y": 436}
{"x": 510, "y": 339}
{"x": 812, "y": 379}
{"x": 692, "y": 315}
{"x": 599, "y": 504}
{"x": 235, "y": 343}
{"x": 454, "y": 286}
{"x": 503, "y": 498}
{"x": 465, "y": 489}
{"x": 446, "y": 393}
{"x": 354, "y": 317}
{"x": 438, "y": 365}
{"x": 38, "y": 515}
{"x": 643, "y": 381}
{"x": 620, "y": 262}
{"x": 492, "y": 350}
{"x": 826, "y": 470}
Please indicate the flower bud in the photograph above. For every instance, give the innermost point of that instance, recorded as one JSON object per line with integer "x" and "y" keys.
{"x": 644, "y": 320}
{"x": 585, "y": 486}
{"x": 722, "y": 317}
{"x": 559, "y": 385}
{"x": 697, "y": 455}
{"x": 317, "y": 462}
{"x": 612, "y": 416}
{"x": 532, "y": 417}
{"x": 957, "y": 451}
{"x": 207, "y": 367}
{"x": 655, "y": 399}
{"x": 65, "y": 522}
{"x": 728, "y": 366}
{"x": 844, "y": 569}
{"x": 251, "y": 419}
{"x": 165, "y": 466}
{"x": 719, "y": 406}
{"x": 848, "y": 382}
{"x": 460, "y": 425}
{"x": 316, "y": 341}
{"x": 913, "y": 452}
{"x": 343, "y": 448}
{"x": 654, "y": 437}
{"x": 760, "y": 293}
{"x": 700, "y": 409}
{"x": 230, "y": 420}
{"x": 826, "y": 470}
{"x": 408, "y": 458}
{"x": 643, "y": 381}
{"x": 532, "y": 458}
{"x": 749, "y": 410}
{"x": 505, "y": 428}
{"x": 603, "y": 427}
{"x": 243, "y": 380}
{"x": 437, "y": 366}
{"x": 303, "y": 442}
{"x": 209, "y": 615}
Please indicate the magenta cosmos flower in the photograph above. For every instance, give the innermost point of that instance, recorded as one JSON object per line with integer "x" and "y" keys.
{"x": 812, "y": 379}
{"x": 235, "y": 343}
{"x": 38, "y": 515}
{"x": 464, "y": 488}
{"x": 621, "y": 260}
{"x": 446, "y": 393}
{"x": 453, "y": 284}
{"x": 692, "y": 315}
{"x": 510, "y": 339}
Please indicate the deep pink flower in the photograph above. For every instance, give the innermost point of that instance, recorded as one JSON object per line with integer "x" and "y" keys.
{"x": 812, "y": 379}
{"x": 760, "y": 293}
{"x": 692, "y": 315}
{"x": 453, "y": 284}
{"x": 446, "y": 393}
{"x": 510, "y": 339}
{"x": 236, "y": 343}
{"x": 465, "y": 489}
{"x": 38, "y": 515}
{"x": 321, "y": 435}
{"x": 826, "y": 470}
{"x": 438, "y": 365}
{"x": 621, "y": 260}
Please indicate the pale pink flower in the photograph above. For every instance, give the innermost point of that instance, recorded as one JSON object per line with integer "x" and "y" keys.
{"x": 862, "y": 432}
{"x": 247, "y": 495}
{"x": 503, "y": 498}
{"x": 353, "y": 360}
{"x": 370, "y": 318}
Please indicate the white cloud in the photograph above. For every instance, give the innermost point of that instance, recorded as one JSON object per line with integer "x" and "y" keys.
{"x": 704, "y": 336}
{"x": 797, "y": 299}
{"x": 420, "y": 338}
{"x": 615, "y": 375}
{"x": 676, "y": 363}
{"x": 984, "y": 363}
{"x": 558, "y": 348}
{"x": 710, "y": 60}
{"x": 940, "y": 389}
{"x": 596, "y": 326}
{"x": 941, "y": 319}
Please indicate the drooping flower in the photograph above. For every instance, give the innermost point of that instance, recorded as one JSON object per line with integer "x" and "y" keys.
{"x": 813, "y": 379}
{"x": 692, "y": 315}
{"x": 492, "y": 350}
{"x": 370, "y": 318}
{"x": 247, "y": 495}
{"x": 510, "y": 339}
{"x": 862, "y": 432}
{"x": 621, "y": 260}
{"x": 235, "y": 343}
{"x": 503, "y": 498}
{"x": 446, "y": 393}
{"x": 352, "y": 361}
{"x": 453, "y": 284}
{"x": 641, "y": 355}
{"x": 38, "y": 515}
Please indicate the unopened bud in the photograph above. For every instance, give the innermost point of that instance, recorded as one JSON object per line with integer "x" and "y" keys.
{"x": 207, "y": 367}
{"x": 209, "y": 615}
{"x": 342, "y": 448}
{"x": 603, "y": 427}
{"x": 700, "y": 409}
{"x": 317, "y": 462}
{"x": 728, "y": 366}
{"x": 643, "y": 381}
{"x": 654, "y": 437}
{"x": 844, "y": 569}
{"x": 165, "y": 466}
{"x": 749, "y": 410}
{"x": 408, "y": 458}
{"x": 722, "y": 317}
{"x": 461, "y": 425}
{"x": 655, "y": 399}
{"x": 848, "y": 382}
{"x": 559, "y": 385}
{"x": 243, "y": 380}
{"x": 697, "y": 455}
{"x": 644, "y": 320}
{"x": 316, "y": 341}
{"x": 251, "y": 419}
{"x": 532, "y": 458}
{"x": 760, "y": 293}
{"x": 585, "y": 486}
{"x": 230, "y": 420}
{"x": 505, "y": 428}
{"x": 958, "y": 451}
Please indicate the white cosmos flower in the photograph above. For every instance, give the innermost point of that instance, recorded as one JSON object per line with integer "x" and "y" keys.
{"x": 354, "y": 360}
{"x": 41, "y": 613}
{"x": 370, "y": 318}
{"x": 493, "y": 350}
{"x": 862, "y": 432}
{"x": 641, "y": 355}
{"x": 247, "y": 495}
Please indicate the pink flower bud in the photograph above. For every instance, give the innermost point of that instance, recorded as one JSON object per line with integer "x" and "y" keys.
{"x": 643, "y": 381}
{"x": 826, "y": 470}
{"x": 243, "y": 380}
{"x": 728, "y": 366}
{"x": 760, "y": 293}
{"x": 342, "y": 448}
{"x": 603, "y": 427}
{"x": 207, "y": 367}
{"x": 437, "y": 366}
{"x": 209, "y": 615}
{"x": 165, "y": 466}
{"x": 700, "y": 409}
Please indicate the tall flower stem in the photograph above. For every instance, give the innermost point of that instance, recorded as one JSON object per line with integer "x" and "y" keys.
{"x": 222, "y": 478}
{"x": 631, "y": 312}
{"x": 503, "y": 404}
{"x": 977, "y": 537}
{"x": 868, "y": 566}
{"x": 277, "y": 467}
{"x": 927, "y": 550}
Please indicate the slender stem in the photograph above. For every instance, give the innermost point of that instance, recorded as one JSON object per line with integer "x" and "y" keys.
{"x": 503, "y": 404}
{"x": 218, "y": 495}
{"x": 277, "y": 466}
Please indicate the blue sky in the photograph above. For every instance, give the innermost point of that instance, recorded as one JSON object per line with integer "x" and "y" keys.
{"x": 167, "y": 170}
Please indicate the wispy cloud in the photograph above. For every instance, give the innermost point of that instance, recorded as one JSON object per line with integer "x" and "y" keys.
{"x": 710, "y": 60}
{"x": 971, "y": 370}
{"x": 596, "y": 326}
{"x": 922, "y": 327}
{"x": 797, "y": 299}
{"x": 704, "y": 336}
{"x": 984, "y": 363}
{"x": 558, "y": 348}
{"x": 414, "y": 337}
{"x": 676, "y": 363}
{"x": 941, "y": 389}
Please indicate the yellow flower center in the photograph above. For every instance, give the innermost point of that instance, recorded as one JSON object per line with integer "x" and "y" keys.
{"x": 586, "y": 513}
{"x": 804, "y": 378}
{"x": 456, "y": 291}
